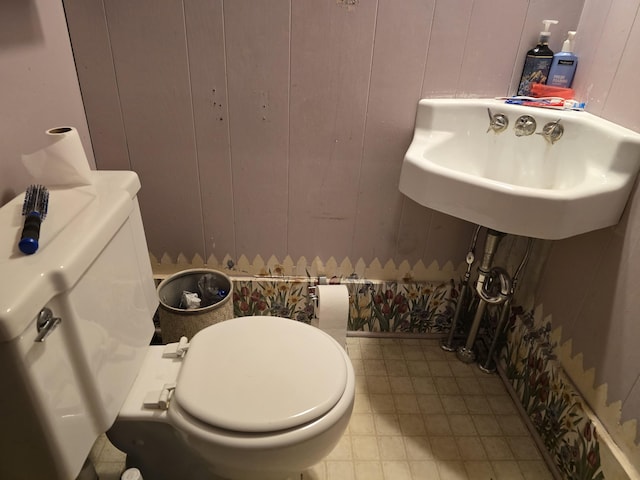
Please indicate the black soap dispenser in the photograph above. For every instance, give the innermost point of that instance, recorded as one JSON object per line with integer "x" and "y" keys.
{"x": 538, "y": 61}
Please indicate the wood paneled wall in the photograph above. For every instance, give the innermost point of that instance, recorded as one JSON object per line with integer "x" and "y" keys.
{"x": 278, "y": 127}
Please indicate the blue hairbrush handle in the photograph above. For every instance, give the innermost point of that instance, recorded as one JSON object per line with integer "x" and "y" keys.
{"x": 30, "y": 233}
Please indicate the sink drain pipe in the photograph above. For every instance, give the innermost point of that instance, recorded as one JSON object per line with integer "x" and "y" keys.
{"x": 489, "y": 366}
{"x": 493, "y": 286}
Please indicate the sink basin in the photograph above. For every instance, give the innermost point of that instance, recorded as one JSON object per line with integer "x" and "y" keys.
{"x": 529, "y": 185}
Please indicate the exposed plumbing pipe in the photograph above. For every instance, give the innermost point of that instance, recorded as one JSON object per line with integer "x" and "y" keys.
{"x": 447, "y": 343}
{"x": 489, "y": 366}
{"x": 486, "y": 288}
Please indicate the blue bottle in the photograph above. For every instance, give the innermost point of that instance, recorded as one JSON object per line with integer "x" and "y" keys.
{"x": 538, "y": 62}
{"x": 564, "y": 64}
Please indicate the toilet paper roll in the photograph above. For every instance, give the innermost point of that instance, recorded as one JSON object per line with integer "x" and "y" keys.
{"x": 62, "y": 162}
{"x": 332, "y": 311}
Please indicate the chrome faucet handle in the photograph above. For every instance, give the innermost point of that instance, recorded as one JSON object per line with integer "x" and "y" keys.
{"x": 498, "y": 122}
{"x": 552, "y": 131}
{"x": 525, "y": 126}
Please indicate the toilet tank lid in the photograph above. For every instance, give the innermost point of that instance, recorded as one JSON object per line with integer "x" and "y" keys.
{"x": 80, "y": 222}
{"x": 261, "y": 374}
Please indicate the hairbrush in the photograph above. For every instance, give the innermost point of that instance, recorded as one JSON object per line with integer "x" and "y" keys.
{"x": 34, "y": 209}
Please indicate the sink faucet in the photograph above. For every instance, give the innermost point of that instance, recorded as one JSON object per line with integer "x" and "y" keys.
{"x": 525, "y": 126}
{"x": 552, "y": 131}
{"x": 498, "y": 122}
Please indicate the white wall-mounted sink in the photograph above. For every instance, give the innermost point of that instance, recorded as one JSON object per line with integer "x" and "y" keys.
{"x": 523, "y": 185}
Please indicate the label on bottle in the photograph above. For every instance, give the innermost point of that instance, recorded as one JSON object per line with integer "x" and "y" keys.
{"x": 536, "y": 70}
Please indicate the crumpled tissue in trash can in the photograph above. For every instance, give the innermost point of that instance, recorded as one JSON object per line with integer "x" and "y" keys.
{"x": 209, "y": 291}
{"x": 189, "y": 300}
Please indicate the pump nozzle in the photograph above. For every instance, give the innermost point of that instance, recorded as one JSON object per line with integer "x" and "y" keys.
{"x": 545, "y": 34}
{"x": 571, "y": 39}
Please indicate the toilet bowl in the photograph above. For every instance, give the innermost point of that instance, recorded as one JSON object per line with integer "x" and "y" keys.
{"x": 255, "y": 398}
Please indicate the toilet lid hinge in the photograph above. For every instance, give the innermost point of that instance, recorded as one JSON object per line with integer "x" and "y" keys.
{"x": 159, "y": 400}
{"x": 176, "y": 350}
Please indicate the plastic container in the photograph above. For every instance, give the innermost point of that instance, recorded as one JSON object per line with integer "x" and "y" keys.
{"x": 176, "y": 320}
{"x": 538, "y": 62}
{"x": 564, "y": 64}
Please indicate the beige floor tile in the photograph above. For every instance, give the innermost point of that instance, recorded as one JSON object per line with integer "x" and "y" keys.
{"x": 418, "y": 368}
{"x": 445, "y": 448}
{"x": 369, "y": 471}
{"x": 397, "y": 368}
{"x": 340, "y": 470}
{"x": 440, "y": 368}
{"x": 479, "y": 470}
{"x": 454, "y": 404}
{"x": 471, "y": 448}
{"x": 365, "y": 447}
{"x": 378, "y": 384}
{"x": 401, "y": 385}
{"x": 437, "y": 425}
{"x": 462, "y": 425}
{"x": 486, "y": 424}
{"x": 497, "y": 448}
{"x": 512, "y": 425}
{"x": 411, "y": 424}
{"x": 502, "y": 404}
{"x": 361, "y": 424}
{"x": 391, "y": 448}
{"x": 452, "y": 470}
{"x": 430, "y": 404}
{"x": 447, "y": 386}
{"x": 534, "y": 470}
{"x": 460, "y": 369}
{"x": 507, "y": 470}
{"x": 524, "y": 448}
{"x": 396, "y": 470}
{"x": 387, "y": 424}
{"x": 477, "y": 404}
{"x": 418, "y": 448}
{"x": 424, "y": 385}
{"x": 424, "y": 470}
{"x": 382, "y": 403}
{"x": 413, "y": 352}
{"x": 392, "y": 351}
{"x": 470, "y": 386}
{"x": 374, "y": 366}
{"x": 406, "y": 403}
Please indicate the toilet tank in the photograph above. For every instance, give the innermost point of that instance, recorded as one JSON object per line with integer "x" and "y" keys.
{"x": 92, "y": 271}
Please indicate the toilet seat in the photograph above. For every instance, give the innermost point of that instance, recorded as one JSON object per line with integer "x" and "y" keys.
{"x": 260, "y": 374}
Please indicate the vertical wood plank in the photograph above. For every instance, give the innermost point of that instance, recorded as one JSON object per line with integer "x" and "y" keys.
{"x": 491, "y": 48}
{"x": 94, "y": 65}
{"x": 446, "y": 48}
{"x": 592, "y": 26}
{"x": 331, "y": 47}
{"x": 402, "y": 37}
{"x": 150, "y": 57}
{"x": 257, "y": 45}
{"x": 620, "y": 103}
{"x": 207, "y": 71}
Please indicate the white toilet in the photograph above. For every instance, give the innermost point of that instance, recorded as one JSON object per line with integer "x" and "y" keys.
{"x": 252, "y": 398}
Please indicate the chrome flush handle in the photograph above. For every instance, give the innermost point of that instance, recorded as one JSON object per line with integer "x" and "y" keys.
{"x": 45, "y": 324}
